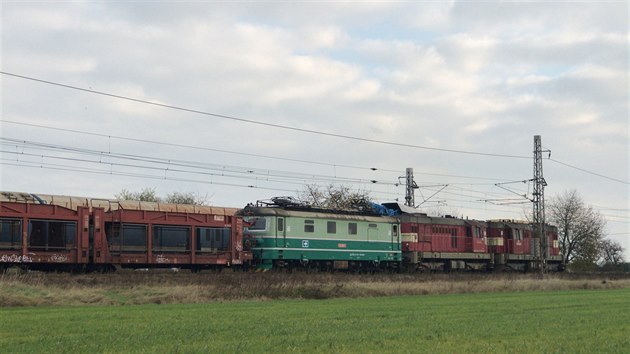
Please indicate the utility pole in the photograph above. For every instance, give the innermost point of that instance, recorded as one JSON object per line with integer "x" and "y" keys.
{"x": 539, "y": 206}
{"x": 410, "y": 199}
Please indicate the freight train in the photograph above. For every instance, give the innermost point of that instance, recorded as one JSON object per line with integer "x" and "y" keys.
{"x": 44, "y": 232}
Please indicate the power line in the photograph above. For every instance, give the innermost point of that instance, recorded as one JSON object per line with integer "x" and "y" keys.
{"x": 281, "y": 127}
{"x": 103, "y": 172}
{"x": 168, "y": 166}
{"x": 170, "y": 170}
{"x": 590, "y": 172}
{"x": 183, "y": 163}
{"x": 282, "y": 177}
{"x": 311, "y": 131}
{"x": 61, "y": 167}
{"x": 286, "y": 180}
{"x": 460, "y": 176}
{"x": 51, "y": 166}
{"x": 249, "y": 121}
{"x": 193, "y": 147}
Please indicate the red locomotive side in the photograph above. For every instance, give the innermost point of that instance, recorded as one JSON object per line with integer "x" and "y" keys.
{"x": 554, "y": 258}
{"x": 510, "y": 237}
{"x": 515, "y": 247}
{"x": 443, "y": 243}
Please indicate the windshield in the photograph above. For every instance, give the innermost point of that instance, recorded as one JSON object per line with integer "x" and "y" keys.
{"x": 253, "y": 223}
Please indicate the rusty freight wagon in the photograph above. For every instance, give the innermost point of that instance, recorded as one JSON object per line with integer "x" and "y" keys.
{"x": 38, "y": 235}
{"x": 149, "y": 235}
{"x": 57, "y": 232}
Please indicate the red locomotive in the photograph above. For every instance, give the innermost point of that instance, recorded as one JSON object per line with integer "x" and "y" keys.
{"x": 449, "y": 243}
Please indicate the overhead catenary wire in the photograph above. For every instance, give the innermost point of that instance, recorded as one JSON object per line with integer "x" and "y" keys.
{"x": 185, "y": 163}
{"x": 170, "y": 169}
{"x": 260, "y": 176}
{"x": 171, "y": 163}
{"x": 590, "y": 172}
{"x": 105, "y": 172}
{"x": 167, "y": 165}
{"x": 43, "y": 165}
{"x": 263, "y": 176}
{"x": 173, "y": 170}
{"x": 109, "y": 136}
{"x": 60, "y": 167}
{"x": 261, "y": 123}
{"x": 192, "y": 147}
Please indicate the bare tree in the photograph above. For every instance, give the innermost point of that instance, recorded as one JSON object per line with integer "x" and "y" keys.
{"x": 580, "y": 228}
{"x": 611, "y": 252}
{"x": 334, "y": 197}
{"x": 149, "y": 195}
{"x": 442, "y": 210}
{"x": 146, "y": 195}
{"x": 186, "y": 198}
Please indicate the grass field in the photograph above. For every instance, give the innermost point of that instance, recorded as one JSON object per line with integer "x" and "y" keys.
{"x": 572, "y": 321}
{"x": 136, "y": 288}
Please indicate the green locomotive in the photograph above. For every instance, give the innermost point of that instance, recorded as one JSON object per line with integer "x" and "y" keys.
{"x": 290, "y": 235}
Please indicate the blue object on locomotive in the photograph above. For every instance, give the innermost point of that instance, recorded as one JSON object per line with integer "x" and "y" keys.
{"x": 382, "y": 210}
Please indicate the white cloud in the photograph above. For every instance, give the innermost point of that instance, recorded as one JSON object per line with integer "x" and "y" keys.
{"x": 316, "y": 37}
{"x": 433, "y": 16}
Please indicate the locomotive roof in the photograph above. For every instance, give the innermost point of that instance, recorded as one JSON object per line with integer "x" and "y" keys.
{"x": 425, "y": 219}
{"x": 73, "y": 203}
{"x": 402, "y": 208}
{"x": 314, "y": 213}
{"x": 510, "y": 223}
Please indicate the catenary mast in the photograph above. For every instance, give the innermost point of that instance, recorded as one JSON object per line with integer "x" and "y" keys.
{"x": 410, "y": 199}
{"x": 539, "y": 207}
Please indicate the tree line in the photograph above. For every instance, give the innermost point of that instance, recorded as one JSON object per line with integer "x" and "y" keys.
{"x": 149, "y": 195}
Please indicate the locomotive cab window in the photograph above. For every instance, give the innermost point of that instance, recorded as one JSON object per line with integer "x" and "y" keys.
{"x": 352, "y": 228}
{"x": 253, "y": 223}
{"x": 395, "y": 230}
{"x": 309, "y": 226}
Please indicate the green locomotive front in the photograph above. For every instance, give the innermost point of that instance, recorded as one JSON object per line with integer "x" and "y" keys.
{"x": 309, "y": 238}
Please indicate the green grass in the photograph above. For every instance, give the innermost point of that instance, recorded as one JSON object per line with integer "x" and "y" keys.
{"x": 567, "y": 321}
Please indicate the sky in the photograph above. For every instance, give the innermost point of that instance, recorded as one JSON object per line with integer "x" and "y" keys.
{"x": 244, "y": 101}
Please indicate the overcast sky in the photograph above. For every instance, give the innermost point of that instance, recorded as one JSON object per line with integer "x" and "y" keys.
{"x": 464, "y": 85}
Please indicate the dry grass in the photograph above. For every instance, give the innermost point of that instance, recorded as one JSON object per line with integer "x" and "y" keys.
{"x": 125, "y": 288}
